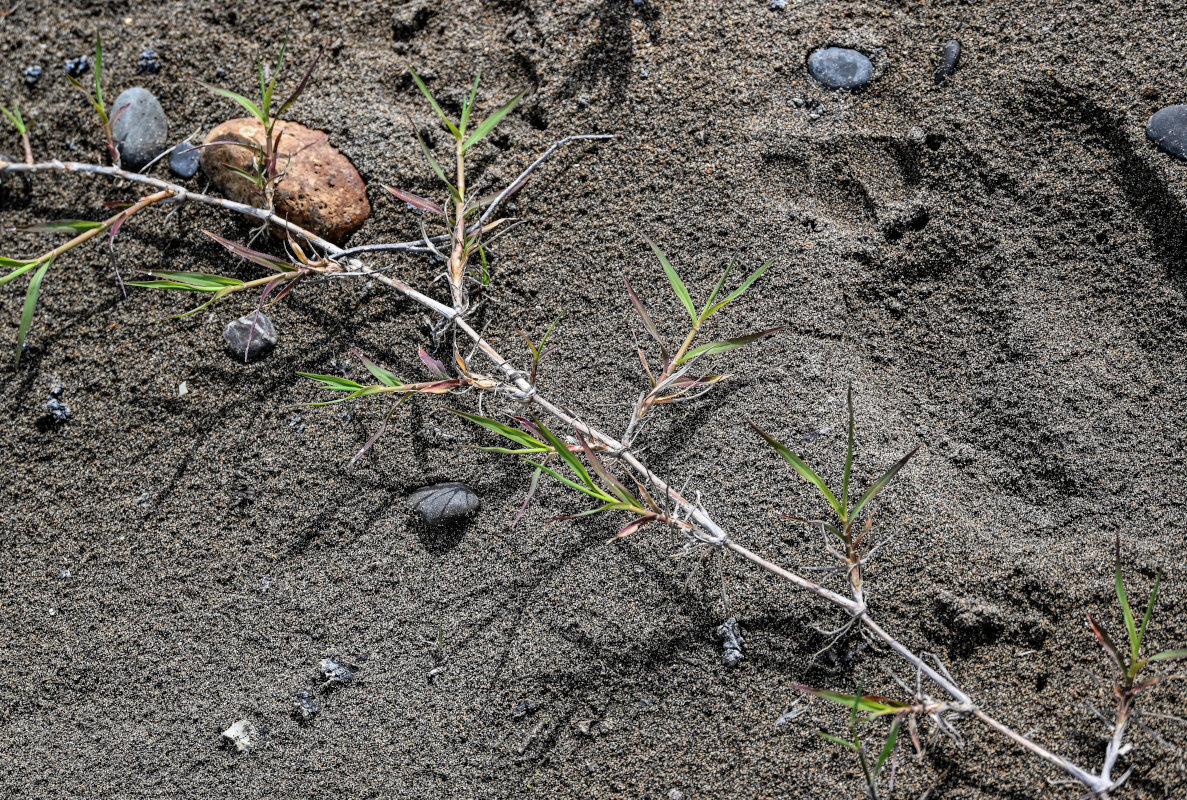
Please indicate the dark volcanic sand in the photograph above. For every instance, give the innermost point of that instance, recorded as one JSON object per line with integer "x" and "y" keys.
{"x": 997, "y": 264}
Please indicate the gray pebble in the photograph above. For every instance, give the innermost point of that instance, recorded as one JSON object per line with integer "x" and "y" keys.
{"x": 336, "y": 670}
{"x": 239, "y": 332}
{"x": 75, "y": 67}
{"x": 840, "y": 68}
{"x": 305, "y": 707}
{"x": 32, "y": 75}
{"x": 731, "y": 635}
{"x": 948, "y": 65}
{"x": 243, "y": 735}
{"x": 1168, "y": 129}
{"x": 140, "y": 129}
{"x": 183, "y": 162}
{"x": 444, "y": 503}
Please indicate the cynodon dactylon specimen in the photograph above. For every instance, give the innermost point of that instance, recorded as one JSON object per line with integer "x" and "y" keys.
{"x": 260, "y": 155}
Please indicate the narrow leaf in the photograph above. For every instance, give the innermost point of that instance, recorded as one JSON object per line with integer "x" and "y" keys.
{"x": 648, "y": 322}
{"x": 802, "y": 468}
{"x": 30, "y": 305}
{"x": 570, "y": 458}
{"x": 18, "y": 272}
{"x": 872, "y": 704}
{"x": 61, "y": 226}
{"x": 385, "y": 377}
{"x": 332, "y": 382}
{"x": 433, "y": 102}
{"x": 717, "y": 289}
{"x": 1168, "y": 655}
{"x": 881, "y": 482}
{"x": 1107, "y": 643}
{"x": 469, "y": 106}
{"x": 292, "y": 98}
{"x": 888, "y": 748}
{"x": 436, "y": 167}
{"x": 527, "y": 501}
{"x": 255, "y": 256}
{"x": 736, "y": 293}
{"x": 506, "y": 431}
{"x": 633, "y": 526}
{"x": 603, "y": 473}
{"x": 1130, "y": 625}
{"x": 435, "y": 367}
{"x": 1149, "y": 610}
{"x": 838, "y": 740}
{"x": 592, "y": 492}
{"x": 490, "y": 123}
{"x": 677, "y": 285}
{"x": 724, "y": 346}
{"x": 248, "y": 105}
{"x": 416, "y": 201}
{"x": 848, "y": 455}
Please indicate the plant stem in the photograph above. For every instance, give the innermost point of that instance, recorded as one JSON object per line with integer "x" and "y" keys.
{"x": 709, "y": 531}
{"x": 457, "y": 256}
{"x": 91, "y": 233}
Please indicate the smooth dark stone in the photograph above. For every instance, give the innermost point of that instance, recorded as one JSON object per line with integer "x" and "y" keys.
{"x": 1168, "y": 129}
{"x": 184, "y": 160}
{"x": 238, "y": 334}
{"x": 140, "y": 130}
{"x": 840, "y": 68}
{"x": 948, "y": 65}
{"x": 444, "y": 503}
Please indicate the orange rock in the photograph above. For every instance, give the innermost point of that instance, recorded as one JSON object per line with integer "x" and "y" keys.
{"x": 321, "y": 190}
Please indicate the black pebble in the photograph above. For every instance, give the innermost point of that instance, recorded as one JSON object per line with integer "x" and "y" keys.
{"x": 75, "y": 67}
{"x": 948, "y": 65}
{"x": 444, "y": 503}
{"x": 148, "y": 62}
{"x": 183, "y": 161}
{"x": 32, "y": 75}
{"x": 1168, "y": 129}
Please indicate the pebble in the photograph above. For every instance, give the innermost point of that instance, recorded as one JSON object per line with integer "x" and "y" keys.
{"x": 242, "y": 735}
{"x": 184, "y": 160}
{"x": 32, "y": 75}
{"x": 148, "y": 62}
{"x": 1168, "y": 129}
{"x": 840, "y": 68}
{"x": 776, "y": 5}
{"x": 140, "y": 130}
{"x": 262, "y": 340}
{"x": 444, "y": 503}
{"x": 75, "y": 67}
{"x": 731, "y": 635}
{"x": 321, "y": 190}
{"x": 58, "y": 409}
{"x": 948, "y": 65}
{"x": 305, "y": 707}
{"x": 335, "y": 670}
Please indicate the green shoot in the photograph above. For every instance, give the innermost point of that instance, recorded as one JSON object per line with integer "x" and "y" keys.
{"x": 873, "y": 707}
{"x": 96, "y": 99}
{"x": 673, "y": 383}
{"x": 533, "y": 438}
{"x": 14, "y": 116}
{"x": 538, "y": 350}
{"x": 30, "y": 306}
{"x": 267, "y": 172}
{"x": 463, "y": 244}
{"x": 1130, "y": 664}
{"x": 846, "y": 515}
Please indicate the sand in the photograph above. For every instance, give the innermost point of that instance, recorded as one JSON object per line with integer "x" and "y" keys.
{"x": 996, "y": 264}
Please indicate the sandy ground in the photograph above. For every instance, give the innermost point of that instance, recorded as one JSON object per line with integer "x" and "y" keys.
{"x": 997, "y": 264}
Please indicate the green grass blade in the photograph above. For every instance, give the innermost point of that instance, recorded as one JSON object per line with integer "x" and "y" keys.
{"x": 251, "y": 107}
{"x": 1168, "y": 655}
{"x": 571, "y": 459}
{"x": 838, "y": 740}
{"x": 848, "y": 456}
{"x": 99, "y": 69}
{"x": 437, "y": 167}
{"x": 881, "y": 482}
{"x": 30, "y": 306}
{"x": 1130, "y": 625}
{"x": 332, "y": 382}
{"x": 673, "y": 278}
{"x": 871, "y": 704}
{"x": 717, "y": 289}
{"x": 18, "y": 272}
{"x": 1149, "y": 610}
{"x": 15, "y": 117}
{"x": 384, "y": 376}
{"x": 803, "y": 469}
{"x": 741, "y": 290}
{"x": 75, "y": 226}
{"x": 490, "y": 122}
{"x": 724, "y": 346}
{"x": 888, "y": 748}
{"x": 457, "y": 134}
{"x": 583, "y": 489}
{"x": 506, "y": 431}
{"x": 469, "y": 106}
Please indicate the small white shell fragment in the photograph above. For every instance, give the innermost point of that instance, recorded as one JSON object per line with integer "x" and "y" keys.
{"x": 242, "y": 734}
